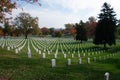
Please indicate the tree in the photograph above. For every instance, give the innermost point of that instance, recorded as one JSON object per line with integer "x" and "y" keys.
{"x": 92, "y": 26}
{"x": 70, "y": 29}
{"x": 81, "y": 33}
{"x": 51, "y": 31}
{"x": 118, "y": 29}
{"x": 45, "y": 31}
{"x": 36, "y": 30}
{"x": 6, "y": 7}
{"x": 106, "y": 26}
{"x": 1, "y": 31}
{"x": 7, "y": 29}
{"x": 26, "y": 23}
{"x": 57, "y": 33}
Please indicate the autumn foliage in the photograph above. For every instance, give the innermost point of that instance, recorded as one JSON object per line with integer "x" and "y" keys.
{"x": 92, "y": 28}
{"x": 6, "y": 7}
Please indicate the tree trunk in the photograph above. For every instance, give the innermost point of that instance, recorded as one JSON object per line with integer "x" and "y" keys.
{"x": 104, "y": 45}
{"x": 25, "y": 36}
{"x": 81, "y": 41}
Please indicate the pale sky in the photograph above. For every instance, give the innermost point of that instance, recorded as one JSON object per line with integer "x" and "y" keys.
{"x": 56, "y": 13}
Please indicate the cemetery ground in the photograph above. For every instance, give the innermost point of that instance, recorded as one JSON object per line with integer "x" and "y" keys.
{"x": 30, "y": 59}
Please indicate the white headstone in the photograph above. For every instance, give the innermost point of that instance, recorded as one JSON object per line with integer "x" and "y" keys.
{"x": 39, "y": 51}
{"x": 88, "y": 54}
{"x": 8, "y": 48}
{"x": 94, "y": 59}
{"x": 11, "y": 47}
{"x": 29, "y": 53}
{"x": 84, "y": 54}
{"x": 44, "y": 50}
{"x": 96, "y": 52}
{"x": 74, "y": 52}
{"x": 88, "y": 60}
{"x": 62, "y": 52}
{"x": 92, "y": 53}
{"x": 106, "y": 76}
{"x": 64, "y": 55}
{"x": 16, "y": 51}
{"x": 48, "y": 52}
{"x": 99, "y": 52}
{"x": 69, "y": 61}
{"x": 2, "y": 46}
{"x": 79, "y": 55}
{"x": 82, "y": 51}
{"x": 69, "y": 52}
{"x": 72, "y": 55}
{"x": 53, "y": 62}
{"x": 44, "y": 56}
{"x": 80, "y": 61}
{"x": 55, "y": 55}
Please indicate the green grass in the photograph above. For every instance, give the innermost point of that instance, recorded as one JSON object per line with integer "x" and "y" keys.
{"x": 19, "y": 67}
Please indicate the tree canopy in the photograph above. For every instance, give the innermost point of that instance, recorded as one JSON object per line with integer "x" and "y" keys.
{"x": 81, "y": 33}
{"x": 6, "y": 7}
{"x": 26, "y": 23}
{"x": 105, "y": 30}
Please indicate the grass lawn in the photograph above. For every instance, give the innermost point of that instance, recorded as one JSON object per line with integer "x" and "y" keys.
{"x": 19, "y": 67}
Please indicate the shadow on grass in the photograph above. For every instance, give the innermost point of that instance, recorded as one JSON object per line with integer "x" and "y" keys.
{"x": 40, "y": 69}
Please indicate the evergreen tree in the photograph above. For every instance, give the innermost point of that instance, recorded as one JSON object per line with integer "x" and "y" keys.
{"x": 81, "y": 32}
{"x": 105, "y": 30}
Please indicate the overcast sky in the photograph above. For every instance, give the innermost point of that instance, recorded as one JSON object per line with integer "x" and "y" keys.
{"x": 56, "y": 13}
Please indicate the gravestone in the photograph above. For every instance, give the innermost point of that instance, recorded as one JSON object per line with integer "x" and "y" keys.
{"x": 106, "y": 76}
{"x": 55, "y": 55}
{"x": 84, "y": 54}
{"x": 88, "y": 60}
{"x": 80, "y": 61}
{"x": 8, "y": 48}
{"x": 64, "y": 55}
{"x": 72, "y": 55}
{"x": 53, "y": 62}
{"x": 79, "y": 55}
{"x": 69, "y": 52}
{"x": 69, "y": 62}
{"x": 29, "y": 53}
{"x": 88, "y": 54}
{"x": 39, "y": 51}
{"x": 16, "y": 51}
{"x": 44, "y": 55}
{"x": 48, "y": 52}
{"x": 94, "y": 59}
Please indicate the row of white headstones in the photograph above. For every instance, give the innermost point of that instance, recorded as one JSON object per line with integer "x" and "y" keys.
{"x": 88, "y": 53}
{"x": 13, "y": 44}
{"x": 19, "y": 44}
{"x": 42, "y": 47}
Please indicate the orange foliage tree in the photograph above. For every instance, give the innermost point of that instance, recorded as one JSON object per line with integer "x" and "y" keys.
{"x": 70, "y": 29}
{"x": 6, "y": 7}
{"x": 1, "y": 31}
{"x": 92, "y": 26}
{"x": 45, "y": 31}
